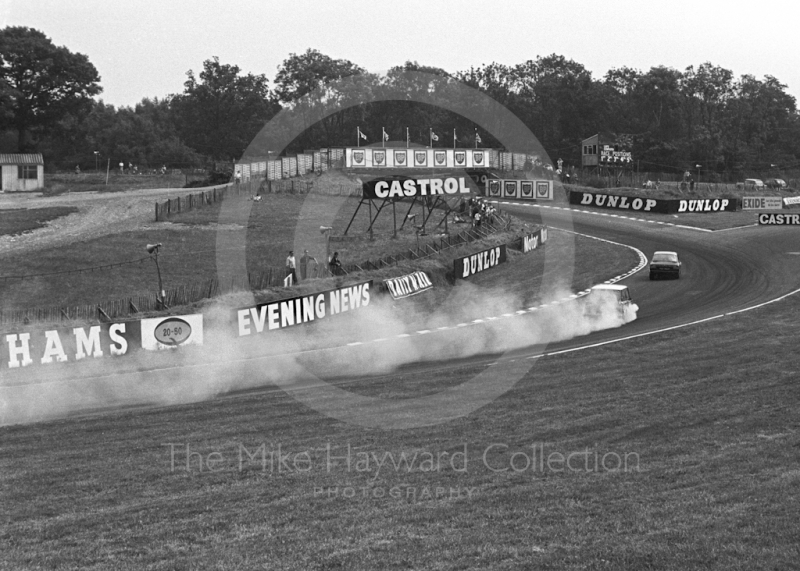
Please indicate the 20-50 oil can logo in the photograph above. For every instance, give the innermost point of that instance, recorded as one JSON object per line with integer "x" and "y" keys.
{"x": 173, "y": 331}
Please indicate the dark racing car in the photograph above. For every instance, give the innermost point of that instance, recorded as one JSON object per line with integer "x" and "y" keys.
{"x": 665, "y": 264}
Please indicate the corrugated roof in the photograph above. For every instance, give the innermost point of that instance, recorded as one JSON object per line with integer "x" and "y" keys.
{"x": 21, "y": 159}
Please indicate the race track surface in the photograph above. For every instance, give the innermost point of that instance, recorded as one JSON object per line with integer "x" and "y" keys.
{"x": 723, "y": 272}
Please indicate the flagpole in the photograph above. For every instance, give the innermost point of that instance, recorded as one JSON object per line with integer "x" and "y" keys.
{"x": 430, "y": 136}
{"x": 383, "y": 137}
{"x": 454, "y": 139}
{"x": 408, "y": 139}
{"x": 476, "y": 137}
{"x": 358, "y": 136}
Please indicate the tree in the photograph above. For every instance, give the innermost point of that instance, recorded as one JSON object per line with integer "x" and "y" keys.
{"x": 220, "y": 112}
{"x": 40, "y": 83}
{"x": 301, "y": 74}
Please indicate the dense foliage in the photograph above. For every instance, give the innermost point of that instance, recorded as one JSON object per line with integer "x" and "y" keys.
{"x": 673, "y": 119}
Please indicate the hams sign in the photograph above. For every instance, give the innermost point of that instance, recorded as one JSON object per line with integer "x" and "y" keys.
{"x": 89, "y": 342}
{"x": 36, "y": 348}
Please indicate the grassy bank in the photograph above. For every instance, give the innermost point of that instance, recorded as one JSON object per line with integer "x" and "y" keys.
{"x": 60, "y": 183}
{"x": 20, "y": 220}
{"x": 194, "y": 242}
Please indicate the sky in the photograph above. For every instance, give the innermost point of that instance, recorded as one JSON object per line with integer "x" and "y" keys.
{"x": 143, "y": 48}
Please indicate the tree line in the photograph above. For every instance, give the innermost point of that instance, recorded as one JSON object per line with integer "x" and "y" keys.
{"x": 670, "y": 119}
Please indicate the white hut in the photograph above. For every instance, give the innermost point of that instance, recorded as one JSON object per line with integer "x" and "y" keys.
{"x": 21, "y": 172}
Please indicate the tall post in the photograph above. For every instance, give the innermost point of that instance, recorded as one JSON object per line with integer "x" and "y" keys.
{"x": 371, "y": 235}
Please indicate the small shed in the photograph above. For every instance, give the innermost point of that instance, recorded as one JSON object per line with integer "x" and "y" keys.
{"x": 21, "y": 172}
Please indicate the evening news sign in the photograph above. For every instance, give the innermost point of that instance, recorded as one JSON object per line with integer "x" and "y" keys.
{"x": 305, "y": 309}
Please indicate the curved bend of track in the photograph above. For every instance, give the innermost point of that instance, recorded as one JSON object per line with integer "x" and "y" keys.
{"x": 722, "y": 272}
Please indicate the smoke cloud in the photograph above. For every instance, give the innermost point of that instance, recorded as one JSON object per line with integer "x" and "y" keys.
{"x": 374, "y": 340}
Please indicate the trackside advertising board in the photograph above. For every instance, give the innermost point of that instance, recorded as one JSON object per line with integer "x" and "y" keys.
{"x": 171, "y": 332}
{"x": 762, "y": 203}
{"x": 65, "y": 345}
{"x": 791, "y": 200}
{"x": 284, "y": 313}
{"x": 408, "y": 285}
{"x": 401, "y": 187}
{"x": 658, "y": 205}
{"x": 779, "y": 219}
{"x": 377, "y": 158}
{"x": 480, "y": 262}
{"x": 533, "y": 240}
{"x": 45, "y": 348}
{"x": 520, "y": 189}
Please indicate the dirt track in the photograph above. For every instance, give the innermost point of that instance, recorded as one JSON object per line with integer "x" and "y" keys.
{"x": 99, "y": 214}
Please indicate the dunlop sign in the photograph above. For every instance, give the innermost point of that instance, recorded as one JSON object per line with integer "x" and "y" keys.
{"x": 476, "y": 263}
{"x": 762, "y": 203}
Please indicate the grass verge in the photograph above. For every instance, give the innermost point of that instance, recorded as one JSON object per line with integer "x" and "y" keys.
{"x": 20, "y": 220}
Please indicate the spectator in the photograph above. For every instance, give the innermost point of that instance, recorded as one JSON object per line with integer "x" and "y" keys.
{"x": 77, "y": 169}
{"x": 163, "y": 169}
{"x": 335, "y": 265}
{"x": 305, "y": 259}
{"x": 290, "y": 267}
{"x": 477, "y": 219}
{"x": 121, "y": 167}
